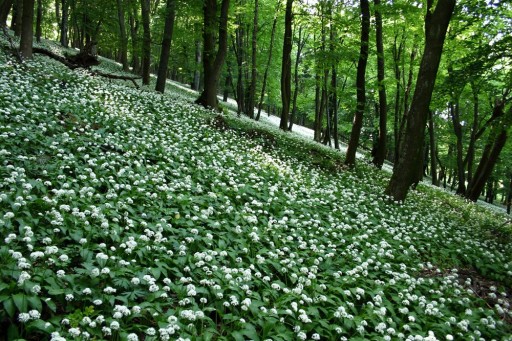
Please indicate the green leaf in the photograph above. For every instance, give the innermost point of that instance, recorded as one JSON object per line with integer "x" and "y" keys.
{"x": 20, "y": 300}
{"x": 9, "y": 307}
{"x": 35, "y": 303}
{"x": 51, "y": 305}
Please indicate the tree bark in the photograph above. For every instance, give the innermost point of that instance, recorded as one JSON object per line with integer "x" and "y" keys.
{"x": 197, "y": 72}
{"x": 27, "y": 29}
{"x": 406, "y": 169}
{"x": 123, "y": 39}
{"x": 134, "y": 28}
{"x": 300, "y": 46}
{"x": 239, "y": 48}
{"x": 397, "y": 53}
{"x": 380, "y": 150}
{"x": 357, "y": 123}
{"x": 39, "y": 20}
{"x": 433, "y": 151}
{"x": 17, "y": 17}
{"x": 457, "y": 128}
{"x": 509, "y": 195}
{"x": 170, "y": 15}
{"x": 5, "y": 8}
{"x": 286, "y": 66}
{"x": 146, "y": 41}
{"x": 64, "y": 24}
{"x": 265, "y": 75}
{"x": 213, "y": 61}
{"x": 254, "y": 71}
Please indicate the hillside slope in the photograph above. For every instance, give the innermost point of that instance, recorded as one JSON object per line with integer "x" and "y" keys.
{"x": 131, "y": 215}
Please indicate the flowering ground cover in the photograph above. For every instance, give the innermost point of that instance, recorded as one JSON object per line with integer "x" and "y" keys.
{"x": 130, "y": 215}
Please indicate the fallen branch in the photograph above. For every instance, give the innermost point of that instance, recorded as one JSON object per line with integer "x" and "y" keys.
{"x": 111, "y": 76}
{"x": 73, "y": 66}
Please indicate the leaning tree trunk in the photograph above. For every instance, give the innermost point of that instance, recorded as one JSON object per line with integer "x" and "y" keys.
{"x": 286, "y": 66}
{"x": 123, "y": 39}
{"x": 380, "y": 150}
{"x": 146, "y": 42}
{"x": 350, "y": 158}
{"x": 406, "y": 169}
{"x": 27, "y": 29}
{"x": 213, "y": 61}
{"x": 170, "y": 15}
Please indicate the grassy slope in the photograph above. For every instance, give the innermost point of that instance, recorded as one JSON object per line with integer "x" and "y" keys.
{"x": 126, "y": 208}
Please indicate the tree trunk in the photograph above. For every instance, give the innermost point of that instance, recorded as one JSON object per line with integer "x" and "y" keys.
{"x": 17, "y": 17}
{"x": 239, "y": 49}
{"x": 286, "y": 66}
{"x": 64, "y": 24}
{"x": 317, "y": 127}
{"x": 457, "y": 128}
{"x": 170, "y": 15}
{"x": 406, "y": 169}
{"x": 433, "y": 151}
{"x": 213, "y": 62}
{"x": 509, "y": 195}
{"x": 470, "y": 156}
{"x": 380, "y": 150}
{"x": 397, "y": 53}
{"x": 146, "y": 41}
{"x": 39, "y": 20}
{"x": 27, "y": 29}
{"x": 357, "y": 124}
{"x": 495, "y": 143}
{"x": 265, "y": 75}
{"x": 300, "y": 46}
{"x": 5, "y": 8}
{"x": 252, "y": 87}
{"x": 197, "y": 72}
{"x": 123, "y": 39}
{"x": 134, "y": 28}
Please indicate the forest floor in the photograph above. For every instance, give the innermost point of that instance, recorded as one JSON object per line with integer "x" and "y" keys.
{"x": 127, "y": 214}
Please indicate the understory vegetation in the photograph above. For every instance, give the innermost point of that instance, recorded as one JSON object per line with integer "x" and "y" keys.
{"x": 130, "y": 215}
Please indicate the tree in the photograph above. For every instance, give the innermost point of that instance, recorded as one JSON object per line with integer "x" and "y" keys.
{"x": 123, "y": 39}
{"x": 409, "y": 163}
{"x": 350, "y": 159}
{"x": 146, "y": 41}
{"x": 286, "y": 66}
{"x": 213, "y": 61}
{"x": 379, "y": 153}
{"x": 39, "y": 20}
{"x": 5, "y": 8}
{"x": 64, "y": 23}
{"x": 27, "y": 29}
{"x": 170, "y": 14}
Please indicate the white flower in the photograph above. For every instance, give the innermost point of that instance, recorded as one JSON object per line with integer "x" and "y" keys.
{"x": 114, "y": 325}
{"x": 132, "y": 337}
{"x": 75, "y": 332}
{"x": 23, "y": 317}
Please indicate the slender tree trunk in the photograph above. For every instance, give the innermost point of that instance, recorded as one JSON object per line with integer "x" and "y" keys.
{"x": 64, "y": 23}
{"x": 470, "y": 157}
{"x": 123, "y": 39}
{"x": 213, "y": 62}
{"x": 134, "y": 28}
{"x": 17, "y": 17}
{"x": 39, "y": 20}
{"x": 509, "y": 195}
{"x": 146, "y": 41}
{"x": 254, "y": 70}
{"x": 170, "y": 14}
{"x": 380, "y": 150}
{"x": 27, "y": 29}
{"x": 397, "y": 53}
{"x": 457, "y": 128}
{"x": 239, "y": 49}
{"x": 286, "y": 66}
{"x": 406, "y": 169}
{"x": 495, "y": 143}
{"x": 433, "y": 151}
{"x": 300, "y": 46}
{"x": 5, "y": 8}
{"x": 197, "y": 72}
{"x": 265, "y": 75}
{"x": 357, "y": 123}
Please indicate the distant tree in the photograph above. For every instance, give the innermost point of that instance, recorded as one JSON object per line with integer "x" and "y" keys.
{"x": 5, "y": 8}
{"x": 286, "y": 66}
{"x": 410, "y": 160}
{"x": 64, "y": 23}
{"x": 123, "y": 39}
{"x": 213, "y": 61}
{"x": 357, "y": 125}
{"x": 170, "y": 14}
{"x": 39, "y": 20}
{"x": 146, "y": 41}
